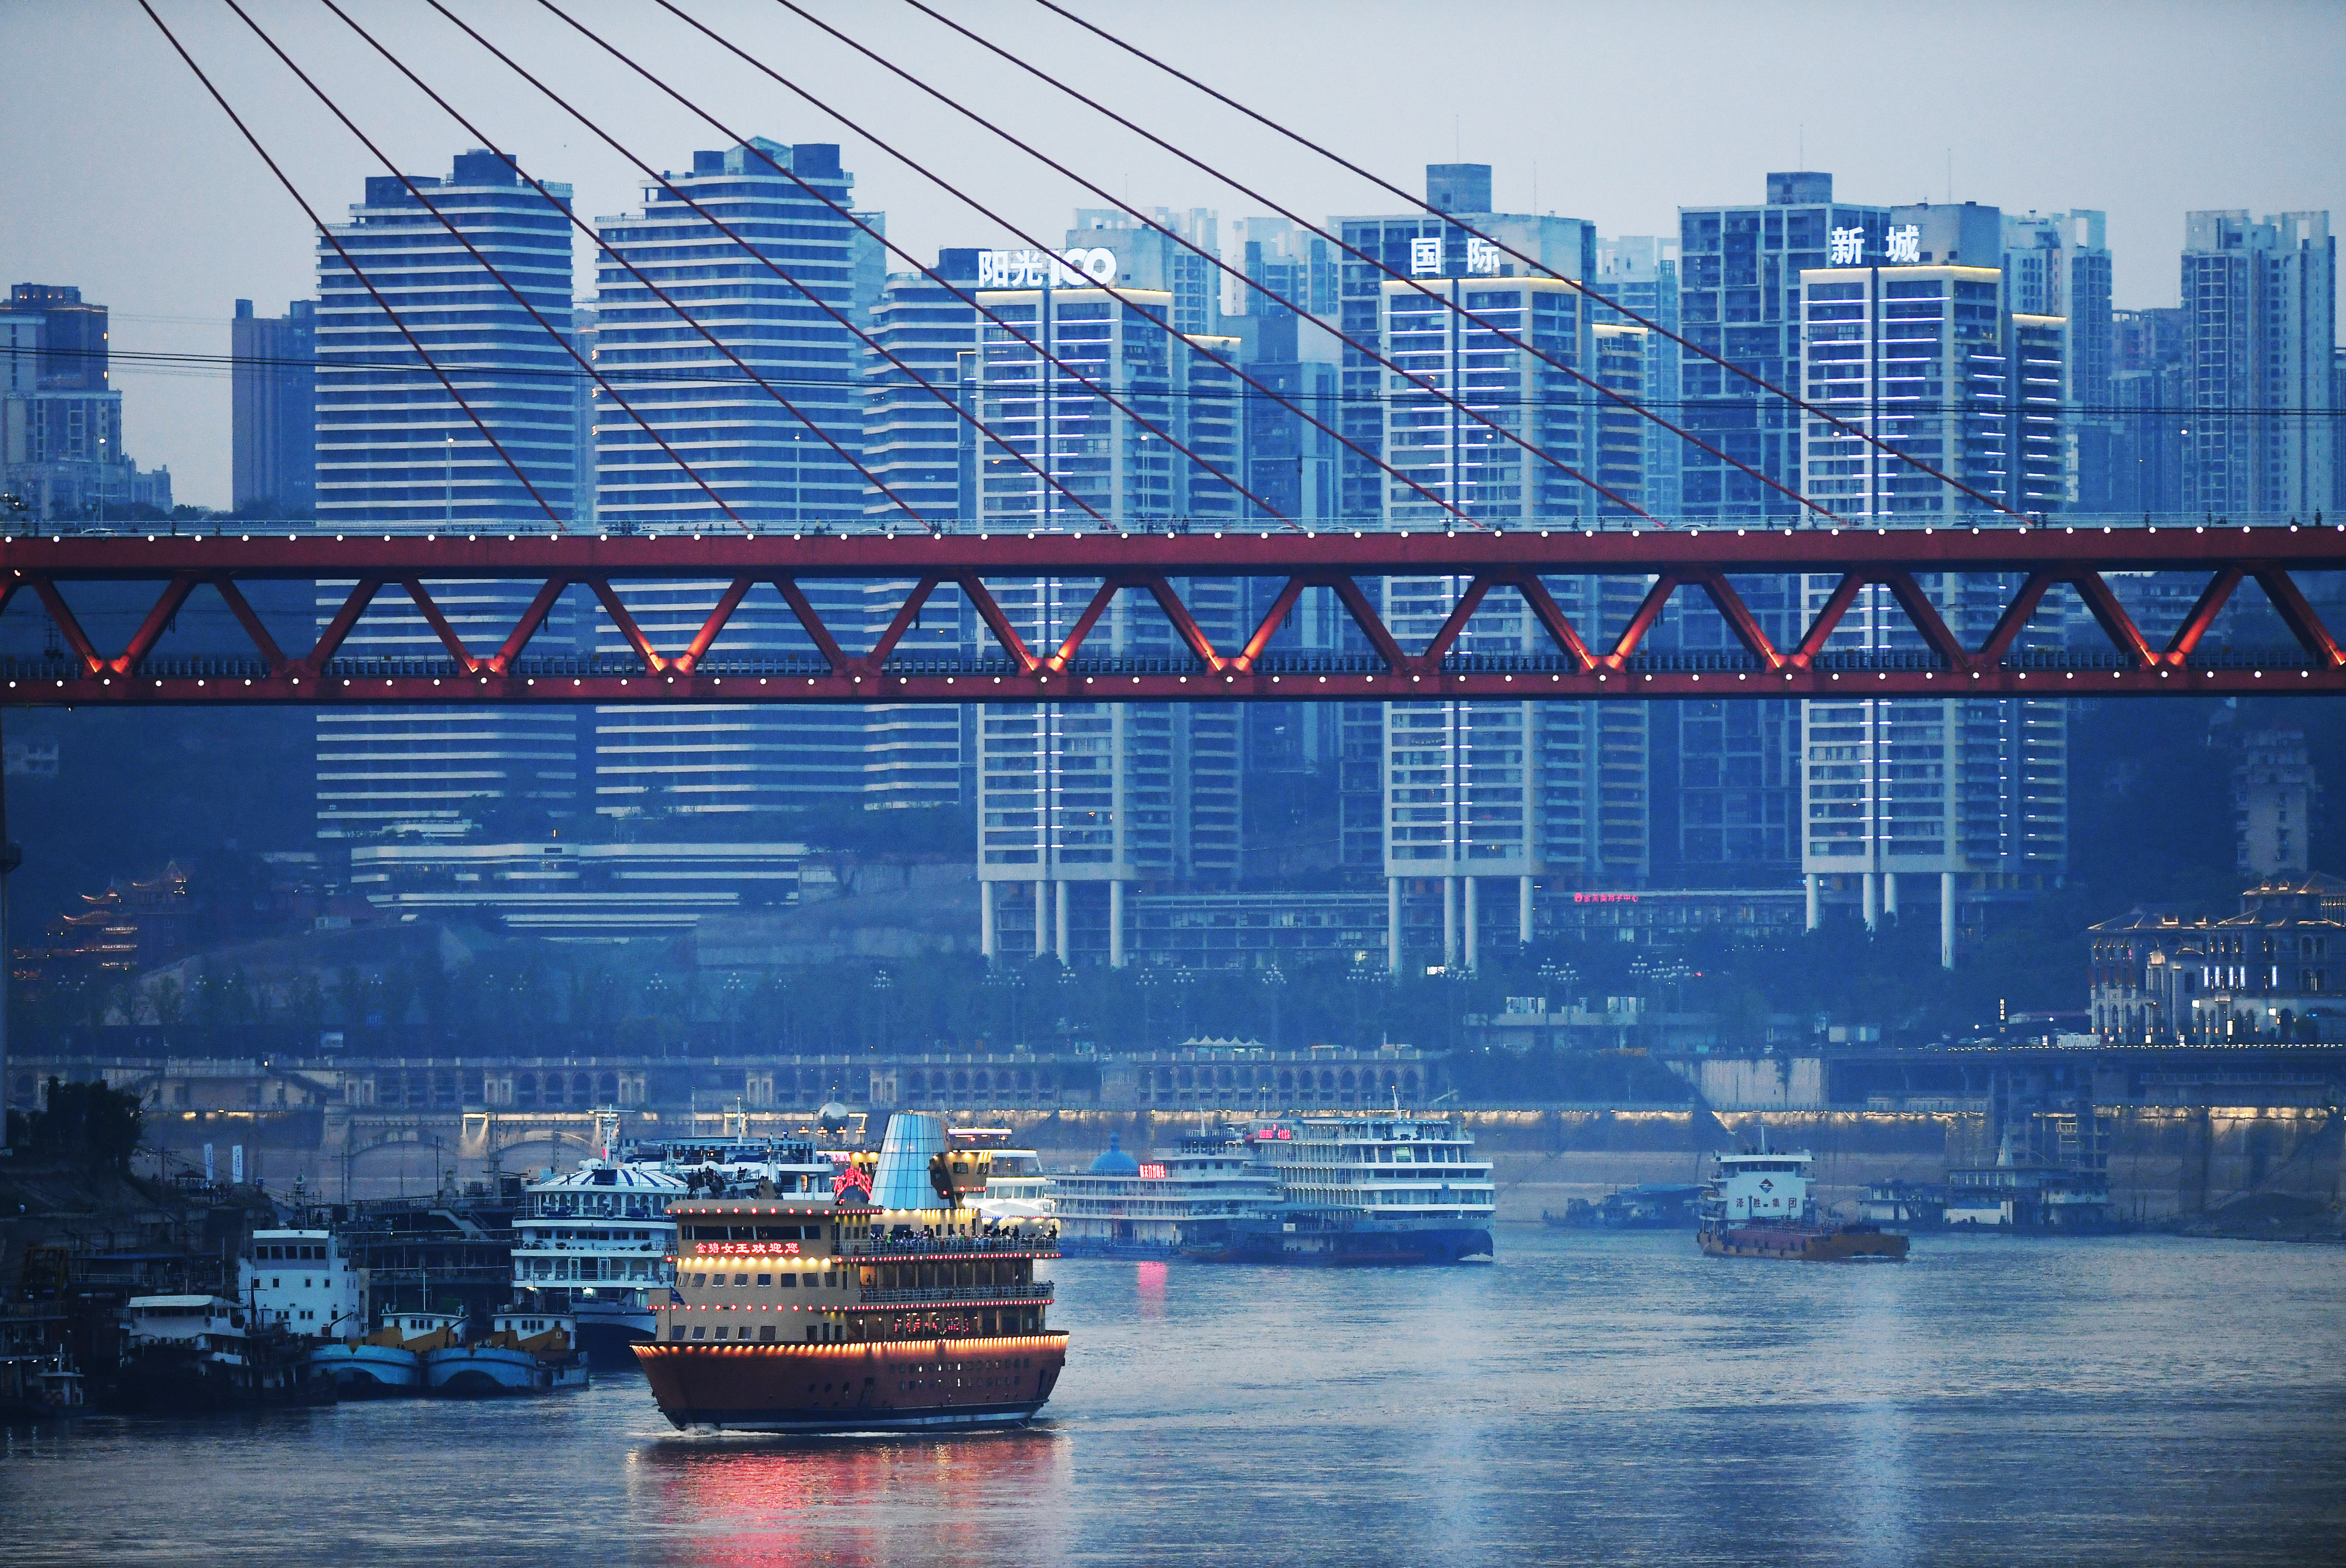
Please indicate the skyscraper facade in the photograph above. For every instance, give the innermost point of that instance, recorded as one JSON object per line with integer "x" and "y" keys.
{"x": 394, "y": 450}
{"x": 1640, "y": 274}
{"x": 1740, "y": 298}
{"x": 1153, "y": 258}
{"x": 392, "y": 447}
{"x": 62, "y": 453}
{"x": 912, "y": 439}
{"x": 2261, "y": 302}
{"x": 768, "y": 463}
{"x": 273, "y": 410}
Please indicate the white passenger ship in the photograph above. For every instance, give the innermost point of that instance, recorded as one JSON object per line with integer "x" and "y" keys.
{"x": 1189, "y": 1197}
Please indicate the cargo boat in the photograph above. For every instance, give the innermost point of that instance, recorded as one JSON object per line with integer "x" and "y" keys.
{"x": 890, "y": 1305}
{"x": 1758, "y": 1205}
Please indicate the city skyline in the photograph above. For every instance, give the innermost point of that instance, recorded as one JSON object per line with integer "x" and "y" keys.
{"x": 244, "y": 239}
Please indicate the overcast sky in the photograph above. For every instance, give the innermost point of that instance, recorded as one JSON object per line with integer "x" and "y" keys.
{"x": 123, "y": 177}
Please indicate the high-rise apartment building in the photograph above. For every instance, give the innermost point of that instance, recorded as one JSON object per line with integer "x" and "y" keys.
{"x": 273, "y": 410}
{"x": 394, "y": 450}
{"x": 1079, "y": 801}
{"x": 1286, "y": 258}
{"x": 1740, "y": 298}
{"x": 913, "y": 441}
{"x": 61, "y": 448}
{"x": 2150, "y": 410}
{"x": 1437, "y": 248}
{"x": 2261, "y": 302}
{"x": 393, "y": 446}
{"x": 765, "y": 461}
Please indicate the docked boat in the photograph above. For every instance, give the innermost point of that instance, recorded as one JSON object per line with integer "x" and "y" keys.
{"x": 388, "y": 1362}
{"x": 1650, "y": 1206}
{"x": 895, "y": 1307}
{"x": 526, "y": 1351}
{"x": 1758, "y": 1205}
{"x": 1016, "y": 1187}
{"x": 593, "y": 1244}
{"x": 1382, "y": 1189}
{"x": 197, "y": 1352}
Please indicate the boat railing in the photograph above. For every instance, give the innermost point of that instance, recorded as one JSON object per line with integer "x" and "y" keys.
{"x": 1039, "y": 1290}
{"x": 950, "y": 1245}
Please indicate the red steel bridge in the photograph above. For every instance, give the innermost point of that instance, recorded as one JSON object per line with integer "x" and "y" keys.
{"x": 39, "y": 571}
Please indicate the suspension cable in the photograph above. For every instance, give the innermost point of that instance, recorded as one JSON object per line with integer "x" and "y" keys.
{"x": 1340, "y": 161}
{"x": 1423, "y": 382}
{"x": 352, "y": 262}
{"x": 458, "y": 235}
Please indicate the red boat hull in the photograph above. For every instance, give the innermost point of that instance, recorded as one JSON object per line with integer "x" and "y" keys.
{"x": 901, "y": 1384}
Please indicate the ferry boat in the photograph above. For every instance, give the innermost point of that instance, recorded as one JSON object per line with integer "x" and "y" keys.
{"x": 888, "y": 1306}
{"x": 1016, "y": 1185}
{"x": 593, "y": 1244}
{"x": 1188, "y": 1197}
{"x": 523, "y": 1352}
{"x": 1758, "y": 1205}
{"x": 1386, "y": 1187}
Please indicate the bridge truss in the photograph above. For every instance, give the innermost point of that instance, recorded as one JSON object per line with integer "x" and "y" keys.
{"x": 1574, "y": 662}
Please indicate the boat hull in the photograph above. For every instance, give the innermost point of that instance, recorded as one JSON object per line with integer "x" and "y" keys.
{"x": 1804, "y": 1244}
{"x": 490, "y": 1371}
{"x": 890, "y": 1386}
{"x": 368, "y": 1371}
{"x": 1350, "y": 1249}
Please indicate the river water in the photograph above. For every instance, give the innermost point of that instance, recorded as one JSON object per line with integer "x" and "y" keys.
{"x": 1588, "y": 1397}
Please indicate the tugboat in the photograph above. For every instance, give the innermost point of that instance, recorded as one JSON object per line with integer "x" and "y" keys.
{"x": 887, "y": 1308}
{"x": 1758, "y": 1205}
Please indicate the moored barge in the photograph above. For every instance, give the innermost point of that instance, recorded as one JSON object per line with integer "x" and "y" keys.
{"x": 890, "y": 1307}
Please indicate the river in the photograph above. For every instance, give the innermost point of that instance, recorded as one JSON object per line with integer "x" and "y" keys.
{"x": 1588, "y": 1397}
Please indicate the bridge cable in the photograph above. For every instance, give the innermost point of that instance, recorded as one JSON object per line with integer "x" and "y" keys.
{"x": 520, "y": 298}
{"x": 352, "y": 262}
{"x": 1635, "y": 405}
{"x": 1165, "y": 326}
{"x": 1420, "y": 382}
{"x": 1793, "y": 398}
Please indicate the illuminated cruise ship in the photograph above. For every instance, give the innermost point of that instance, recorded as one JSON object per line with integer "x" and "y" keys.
{"x": 876, "y": 1307}
{"x": 1156, "y": 1208}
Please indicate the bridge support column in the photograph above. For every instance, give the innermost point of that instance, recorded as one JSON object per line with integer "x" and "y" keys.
{"x": 1890, "y": 895}
{"x": 1872, "y": 899}
{"x": 1042, "y": 919}
{"x": 1524, "y": 911}
{"x": 1116, "y": 925}
{"x": 1450, "y": 922}
{"x": 1059, "y": 922}
{"x": 1474, "y": 922}
{"x": 1947, "y": 920}
{"x": 986, "y": 938}
{"x": 1816, "y": 886}
{"x": 1392, "y": 925}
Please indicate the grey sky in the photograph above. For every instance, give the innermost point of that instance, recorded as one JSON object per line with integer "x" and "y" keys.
{"x": 124, "y": 178}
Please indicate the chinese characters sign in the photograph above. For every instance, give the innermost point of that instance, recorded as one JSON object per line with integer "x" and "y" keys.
{"x": 1425, "y": 257}
{"x": 1848, "y": 247}
{"x": 1905, "y": 244}
{"x": 1081, "y": 267}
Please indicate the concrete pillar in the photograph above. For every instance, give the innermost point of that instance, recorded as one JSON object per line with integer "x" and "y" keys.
{"x": 1042, "y": 919}
{"x": 1524, "y": 911}
{"x": 1816, "y": 887}
{"x": 1392, "y": 925}
{"x": 1474, "y": 922}
{"x": 1116, "y": 925}
{"x": 985, "y": 920}
{"x": 1450, "y": 922}
{"x": 1061, "y": 922}
{"x": 1947, "y": 920}
{"x": 1890, "y": 895}
{"x": 1872, "y": 899}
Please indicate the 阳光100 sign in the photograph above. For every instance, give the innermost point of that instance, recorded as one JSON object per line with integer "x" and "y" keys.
{"x": 1081, "y": 267}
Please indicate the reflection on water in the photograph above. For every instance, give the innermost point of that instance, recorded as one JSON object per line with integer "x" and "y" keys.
{"x": 1588, "y": 1398}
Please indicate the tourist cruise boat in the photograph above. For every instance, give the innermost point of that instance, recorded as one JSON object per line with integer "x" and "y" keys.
{"x": 1187, "y": 1199}
{"x": 891, "y": 1306}
{"x": 1380, "y": 1187}
{"x": 1016, "y": 1185}
{"x": 593, "y": 1244}
{"x": 1757, "y": 1204}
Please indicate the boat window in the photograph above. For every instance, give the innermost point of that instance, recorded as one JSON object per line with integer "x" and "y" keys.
{"x": 765, "y": 1279}
{"x": 741, "y": 1280}
{"x": 697, "y": 1280}
{"x": 788, "y": 1281}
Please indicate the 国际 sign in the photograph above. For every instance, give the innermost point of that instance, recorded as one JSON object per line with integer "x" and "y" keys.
{"x": 1425, "y": 257}
{"x": 1081, "y": 267}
